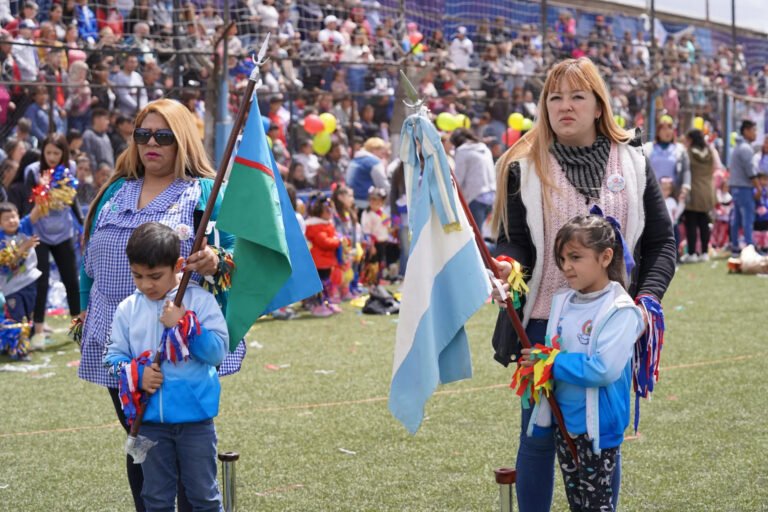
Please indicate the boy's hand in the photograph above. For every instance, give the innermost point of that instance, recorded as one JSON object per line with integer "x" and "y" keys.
{"x": 525, "y": 360}
{"x": 30, "y": 243}
{"x": 152, "y": 379}
{"x": 172, "y": 314}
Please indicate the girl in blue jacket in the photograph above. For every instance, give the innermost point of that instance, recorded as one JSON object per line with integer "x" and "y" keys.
{"x": 184, "y": 388}
{"x": 595, "y": 322}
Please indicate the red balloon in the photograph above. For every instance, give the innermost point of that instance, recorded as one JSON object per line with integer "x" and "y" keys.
{"x": 511, "y": 136}
{"x": 415, "y": 38}
{"x": 313, "y": 124}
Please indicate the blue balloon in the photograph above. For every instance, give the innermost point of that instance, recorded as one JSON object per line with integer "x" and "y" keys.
{"x": 265, "y": 122}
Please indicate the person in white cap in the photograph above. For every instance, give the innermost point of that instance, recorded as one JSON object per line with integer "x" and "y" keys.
{"x": 331, "y": 32}
{"x": 461, "y": 49}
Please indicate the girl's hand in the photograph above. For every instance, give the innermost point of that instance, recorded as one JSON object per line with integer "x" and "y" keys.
{"x": 204, "y": 262}
{"x": 525, "y": 360}
{"x": 152, "y": 379}
{"x": 172, "y": 314}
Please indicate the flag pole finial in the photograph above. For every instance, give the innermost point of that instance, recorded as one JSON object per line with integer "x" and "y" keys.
{"x": 414, "y": 102}
{"x": 259, "y": 59}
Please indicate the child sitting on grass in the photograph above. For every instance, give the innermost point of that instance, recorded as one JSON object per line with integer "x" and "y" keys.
{"x": 18, "y": 274}
{"x": 192, "y": 340}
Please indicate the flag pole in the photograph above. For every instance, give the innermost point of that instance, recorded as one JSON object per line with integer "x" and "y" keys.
{"x": 201, "y": 229}
{"x": 417, "y": 104}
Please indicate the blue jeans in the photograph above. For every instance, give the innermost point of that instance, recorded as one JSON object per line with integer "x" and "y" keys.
{"x": 535, "y": 463}
{"x": 20, "y": 304}
{"x": 743, "y": 215}
{"x": 186, "y": 447}
{"x": 480, "y": 212}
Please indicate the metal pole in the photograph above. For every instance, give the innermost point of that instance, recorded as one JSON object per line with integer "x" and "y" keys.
{"x": 228, "y": 479}
{"x": 653, "y": 36}
{"x": 544, "y": 29}
{"x": 505, "y": 477}
{"x": 223, "y": 120}
{"x": 729, "y": 104}
{"x": 733, "y": 28}
{"x": 178, "y": 32}
{"x": 51, "y": 106}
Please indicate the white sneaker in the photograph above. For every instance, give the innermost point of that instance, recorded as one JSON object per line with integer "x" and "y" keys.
{"x": 689, "y": 258}
{"x": 37, "y": 342}
{"x": 704, "y": 257}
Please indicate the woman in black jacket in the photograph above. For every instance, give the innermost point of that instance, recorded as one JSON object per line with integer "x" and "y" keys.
{"x": 576, "y": 156}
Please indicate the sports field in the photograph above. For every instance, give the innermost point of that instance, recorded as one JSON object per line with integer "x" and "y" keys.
{"x": 308, "y": 415}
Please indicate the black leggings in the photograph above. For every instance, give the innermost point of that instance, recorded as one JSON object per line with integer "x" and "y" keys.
{"x": 135, "y": 476}
{"x": 696, "y": 221}
{"x": 64, "y": 256}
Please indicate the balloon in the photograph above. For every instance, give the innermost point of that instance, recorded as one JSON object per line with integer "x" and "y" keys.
{"x": 321, "y": 143}
{"x": 698, "y": 123}
{"x": 511, "y": 136}
{"x": 415, "y": 38}
{"x": 620, "y": 120}
{"x": 446, "y": 122}
{"x": 515, "y": 121}
{"x": 733, "y": 138}
{"x": 462, "y": 121}
{"x": 329, "y": 122}
{"x": 527, "y": 124}
{"x": 269, "y": 141}
{"x": 667, "y": 119}
{"x": 313, "y": 124}
{"x": 265, "y": 122}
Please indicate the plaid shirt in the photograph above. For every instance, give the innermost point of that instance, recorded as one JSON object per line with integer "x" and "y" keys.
{"x": 106, "y": 262}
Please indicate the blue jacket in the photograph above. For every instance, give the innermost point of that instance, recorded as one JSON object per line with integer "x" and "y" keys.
{"x": 190, "y": 390}
{"x": 592, "y": 384}
{"x": 359, "y": 172}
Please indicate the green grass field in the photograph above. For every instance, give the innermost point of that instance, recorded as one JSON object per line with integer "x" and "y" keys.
{"x": 308, "y": 415}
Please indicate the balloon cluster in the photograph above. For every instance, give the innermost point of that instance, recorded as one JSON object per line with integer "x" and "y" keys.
{"x": 321, "y": 127}
{"x": 517, "y": 124}
{"x": 448, "y": 122}
{"x": 56, "y": 191}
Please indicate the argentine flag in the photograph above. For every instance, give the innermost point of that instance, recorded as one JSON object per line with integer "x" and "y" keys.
{"x": 445, "y": 280}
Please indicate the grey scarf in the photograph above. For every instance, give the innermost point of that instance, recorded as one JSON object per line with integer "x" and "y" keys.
{"x": 584, "y": 166}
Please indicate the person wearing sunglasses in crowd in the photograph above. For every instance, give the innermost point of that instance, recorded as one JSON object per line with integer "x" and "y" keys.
{"x": 163, "y": 176}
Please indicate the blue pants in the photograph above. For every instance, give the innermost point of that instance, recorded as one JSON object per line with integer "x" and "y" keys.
{"x": 743, "y": 215}
{"x": 186, "y": 447}
{"x": 21, "y": 304}
{"x": 480, "y": 212}
{"x": 535, "y": 463}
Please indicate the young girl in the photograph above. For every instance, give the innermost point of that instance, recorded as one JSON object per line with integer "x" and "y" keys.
{"x": 347, "y": 226}
{"x": 376, "y": 223}
{"x": 324, "y": 245}
{"x": 595, "y": 323}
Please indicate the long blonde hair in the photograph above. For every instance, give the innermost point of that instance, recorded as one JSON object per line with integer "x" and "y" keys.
{"x": 191, "y": 159}
{"x": 579, "y": 74}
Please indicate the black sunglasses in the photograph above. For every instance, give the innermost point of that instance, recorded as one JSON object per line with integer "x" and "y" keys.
{"x": 163, "y": 137}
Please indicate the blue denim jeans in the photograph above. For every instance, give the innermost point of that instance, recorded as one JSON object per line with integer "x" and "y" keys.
{"x": 743, "y": 215}
{"x": 186, "y": 447}
{"x": 535, "y": 463}
{"x": 480, "y": 212}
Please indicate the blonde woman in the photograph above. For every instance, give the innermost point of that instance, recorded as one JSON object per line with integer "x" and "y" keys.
{"x": 163, "y": 176}
{"x": 574, "y": 157}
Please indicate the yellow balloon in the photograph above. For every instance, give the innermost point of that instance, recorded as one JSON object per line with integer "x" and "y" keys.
{"x": 269, "y": 141}
{"x": 733, "y": 138}
{"x": 329, "y": 122}
{"x": 321, "y": 143}
{"x": 446, "y": 122}
{"x": 527, "y": 124}
{"x": 515, "y": 121}
{"x": 620, "y": 120}
{"x": 698, "y": 123}
{"x": 462, "y": 121}
{"x": 667, "y": 119}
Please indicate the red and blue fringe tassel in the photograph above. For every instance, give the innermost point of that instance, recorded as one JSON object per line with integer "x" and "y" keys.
{"x": 174, "y": 346}
{"x": 130, "y": 387}
{"x": 647, "y": 355}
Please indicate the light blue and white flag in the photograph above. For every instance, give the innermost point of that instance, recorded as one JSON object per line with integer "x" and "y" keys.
{"x": 445, "y": 281}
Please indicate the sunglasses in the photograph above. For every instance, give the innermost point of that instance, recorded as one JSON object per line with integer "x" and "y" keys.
{"x": 163, "y": 137}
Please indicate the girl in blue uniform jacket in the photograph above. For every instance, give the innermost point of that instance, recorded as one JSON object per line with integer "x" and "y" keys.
{"x": 595, "y": 323}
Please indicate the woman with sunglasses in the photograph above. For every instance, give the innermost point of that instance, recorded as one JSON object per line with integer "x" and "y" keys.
{"x": 57, "y": 231}
{"x": 163, "y": 176}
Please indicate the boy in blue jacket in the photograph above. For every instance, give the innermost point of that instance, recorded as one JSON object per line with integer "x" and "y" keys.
{"x": 184, "y": 388}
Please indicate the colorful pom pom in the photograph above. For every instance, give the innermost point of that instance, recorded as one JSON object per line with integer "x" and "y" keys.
{"x": 516, "y": 280}
{"x": 14, "y": 338}
{"x": 174, "y": 345}
{"x": 56, "y": 191}
{"x": 647, "y": 354}
{"x": 76, "y": 330}
{"x": 529, "y": 382}
{"x": 131, "y": 395}
{"x": 221, "y": 281}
